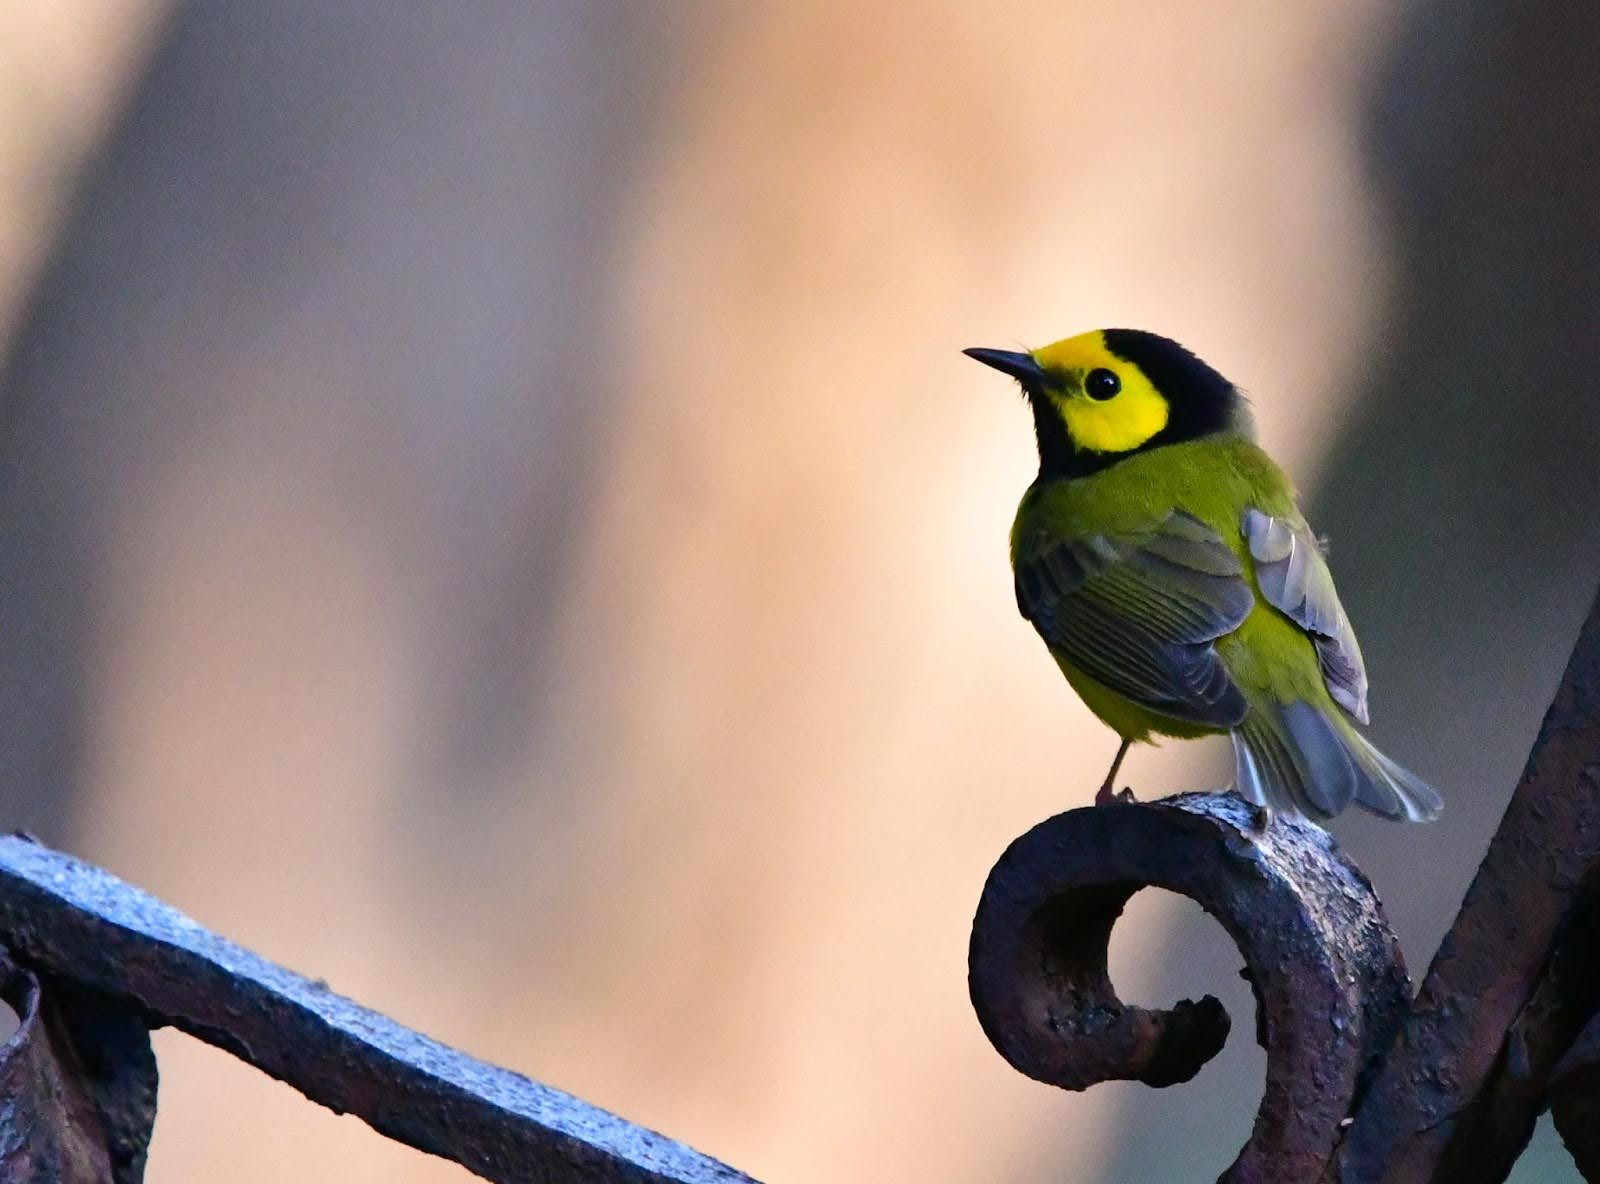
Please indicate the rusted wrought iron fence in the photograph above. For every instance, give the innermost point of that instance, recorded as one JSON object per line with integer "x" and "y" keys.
{"x": 1364, "y": 1084}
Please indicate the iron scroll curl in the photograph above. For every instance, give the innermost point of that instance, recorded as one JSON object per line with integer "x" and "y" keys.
{"x": 1329, "y": 979}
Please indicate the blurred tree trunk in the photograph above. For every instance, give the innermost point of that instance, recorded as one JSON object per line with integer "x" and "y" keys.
{"x": 355, "y": 251}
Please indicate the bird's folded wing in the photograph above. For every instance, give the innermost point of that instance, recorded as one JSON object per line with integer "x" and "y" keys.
{"x": 1294, "y": 578}
{"x": 1138, "y": 614}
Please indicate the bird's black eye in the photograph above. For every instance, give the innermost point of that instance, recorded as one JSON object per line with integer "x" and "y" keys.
{"x": 1101, "y": 384}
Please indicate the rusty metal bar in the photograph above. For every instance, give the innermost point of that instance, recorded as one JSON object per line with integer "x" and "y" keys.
{"x": 1454, "y": 1048}
{"x": 69, "y": 919}
{"x": 1575, "y": 1099}
{"x": 1330, "y": 984}
{"x": 77, "y": 1085}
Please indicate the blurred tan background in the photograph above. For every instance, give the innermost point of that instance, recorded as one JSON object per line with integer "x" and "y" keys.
{"x": 494, "y": 514}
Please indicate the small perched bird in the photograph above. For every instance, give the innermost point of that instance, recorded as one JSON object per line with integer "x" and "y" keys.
{"x": 1162, "y": 556}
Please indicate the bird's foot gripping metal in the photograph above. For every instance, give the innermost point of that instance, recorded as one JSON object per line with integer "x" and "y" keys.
{"x": 1318, "y": 953}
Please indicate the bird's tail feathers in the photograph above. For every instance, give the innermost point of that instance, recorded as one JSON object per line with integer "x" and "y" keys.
{"x": 1300, "y": 759}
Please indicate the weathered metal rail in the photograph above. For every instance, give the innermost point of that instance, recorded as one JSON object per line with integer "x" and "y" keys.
{"x": 122, "y": 962}
{"x": 1364, "y": 1084}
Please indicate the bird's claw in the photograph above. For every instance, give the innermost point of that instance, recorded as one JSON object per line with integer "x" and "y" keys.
{"x": 1107, "y": 796}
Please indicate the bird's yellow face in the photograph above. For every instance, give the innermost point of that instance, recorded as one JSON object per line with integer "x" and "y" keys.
{"x": 1107, "y": 403}
{"x": 1100, "y": 397}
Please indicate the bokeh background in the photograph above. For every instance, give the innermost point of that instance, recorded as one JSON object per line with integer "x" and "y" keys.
{"x": 492, "y": 512}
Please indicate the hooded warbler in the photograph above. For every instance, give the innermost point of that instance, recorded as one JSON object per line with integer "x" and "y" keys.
{"x": 1162, "y": 556}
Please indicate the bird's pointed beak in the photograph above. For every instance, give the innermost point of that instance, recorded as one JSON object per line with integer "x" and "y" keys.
{"x": 1020, "y": 366}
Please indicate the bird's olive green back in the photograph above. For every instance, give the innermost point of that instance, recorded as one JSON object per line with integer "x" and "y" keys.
{"x": 1213, "y": 479}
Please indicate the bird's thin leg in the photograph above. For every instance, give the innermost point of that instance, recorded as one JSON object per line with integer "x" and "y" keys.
{"x": 1107, "y": 792}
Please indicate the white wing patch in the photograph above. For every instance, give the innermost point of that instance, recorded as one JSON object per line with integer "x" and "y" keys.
{"x": 1293, "y": 575}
